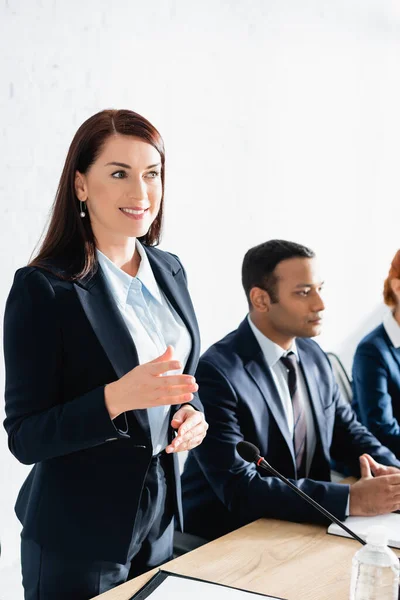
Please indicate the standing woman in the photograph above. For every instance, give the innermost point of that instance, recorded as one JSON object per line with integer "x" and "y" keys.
{"x": 98, "y": 329}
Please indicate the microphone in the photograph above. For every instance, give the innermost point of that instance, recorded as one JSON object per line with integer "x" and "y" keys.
{"x": 251, "y": 453}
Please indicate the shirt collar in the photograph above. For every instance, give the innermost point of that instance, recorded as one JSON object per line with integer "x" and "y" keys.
{"x": 392, "y": 328}
{"x": 146, "y": 275}
{"x": 121, "y": 282}
{"x": 272, "y": 352}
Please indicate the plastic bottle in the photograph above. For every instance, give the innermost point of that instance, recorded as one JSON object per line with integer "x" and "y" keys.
{"x": 375, "y": 570}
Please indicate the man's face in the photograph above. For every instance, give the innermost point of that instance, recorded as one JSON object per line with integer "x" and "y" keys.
{"x": 299, "y": 306}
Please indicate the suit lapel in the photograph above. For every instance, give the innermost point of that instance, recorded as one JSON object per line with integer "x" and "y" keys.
{"x": 395, "y": 352}
{"x": 261, "y": 374}
{"x": 174, "y": 287}
{"x": 257, "y": 368}
{"x": 310, "y": 373}
{"x": 111, "y": 331}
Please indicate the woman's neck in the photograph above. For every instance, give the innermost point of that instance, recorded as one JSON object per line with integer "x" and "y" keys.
{"x": 123, "y": 254}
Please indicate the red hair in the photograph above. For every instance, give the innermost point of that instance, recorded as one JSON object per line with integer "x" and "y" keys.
{"x": 394, "y": 273}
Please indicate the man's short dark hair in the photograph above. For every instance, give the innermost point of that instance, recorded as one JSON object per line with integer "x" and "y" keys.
{"x": 260, "y": 262}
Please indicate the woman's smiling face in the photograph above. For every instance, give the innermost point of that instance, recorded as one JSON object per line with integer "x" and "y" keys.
{"x": 122, "y": 188}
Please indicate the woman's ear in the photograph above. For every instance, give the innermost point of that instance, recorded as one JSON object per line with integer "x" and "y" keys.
{"x": 395, "y": 286}
{"x": 80, "y": 187}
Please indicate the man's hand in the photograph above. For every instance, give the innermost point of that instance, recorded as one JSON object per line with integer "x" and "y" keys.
{"x": 377, "y": 469}
{"x": 375, "y": 495}
{"x": 192, "y": 428}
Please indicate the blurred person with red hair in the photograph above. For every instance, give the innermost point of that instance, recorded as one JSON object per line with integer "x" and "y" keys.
{"x": 376, "y": 369}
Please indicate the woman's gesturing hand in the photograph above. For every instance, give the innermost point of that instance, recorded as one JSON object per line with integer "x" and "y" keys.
{"x": 191, "y": 428}
{"x": 147, "y": 385}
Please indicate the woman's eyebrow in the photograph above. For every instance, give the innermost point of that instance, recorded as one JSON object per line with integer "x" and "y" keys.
{"x": 118, "y": 164}
{"x": 125, "y": 166}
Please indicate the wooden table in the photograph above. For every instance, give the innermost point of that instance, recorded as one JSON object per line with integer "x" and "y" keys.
{"x": 290, "y": 560}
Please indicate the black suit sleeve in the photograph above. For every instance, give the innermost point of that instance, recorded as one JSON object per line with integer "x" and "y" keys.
{"x": 238, "y": 484}
{"x": 39, "y": 424}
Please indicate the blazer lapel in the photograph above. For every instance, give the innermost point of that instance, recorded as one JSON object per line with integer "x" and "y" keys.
{"x": 257, "y": 368}
{"x": 174, "y": 286}
{"x": 395, "y": 352}
{"x": 310, "y": 373}
{"x": 111, "y": 331}
{"x": 261, "y": 374}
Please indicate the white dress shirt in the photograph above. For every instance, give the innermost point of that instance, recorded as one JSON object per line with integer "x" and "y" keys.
{"x": 392, "y": 328}
{"x": 272, "y": 354}
{"x": 153, "y": 324}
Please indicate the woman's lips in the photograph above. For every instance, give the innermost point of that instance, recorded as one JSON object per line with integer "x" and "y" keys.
{"x": 137, "y": 214}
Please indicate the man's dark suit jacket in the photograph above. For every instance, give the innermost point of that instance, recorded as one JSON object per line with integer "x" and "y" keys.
{"x": 376, "y": 387}
{"x": 63, "y": 342}
{"x": 221, "y": 491}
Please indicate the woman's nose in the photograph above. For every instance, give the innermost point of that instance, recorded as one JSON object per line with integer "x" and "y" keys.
{"x": 137, "y": 190}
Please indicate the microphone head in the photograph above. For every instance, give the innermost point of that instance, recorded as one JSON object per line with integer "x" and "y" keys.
{"x": 248, "y": 451}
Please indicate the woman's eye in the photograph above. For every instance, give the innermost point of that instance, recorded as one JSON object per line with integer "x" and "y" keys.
{"x": 152, "y": 174}
{"x": 119, "y": 175}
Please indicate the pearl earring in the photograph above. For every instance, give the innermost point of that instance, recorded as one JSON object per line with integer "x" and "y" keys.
{"x": 82, "y": 214}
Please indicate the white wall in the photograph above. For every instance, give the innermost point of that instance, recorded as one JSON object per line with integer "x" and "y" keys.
{"x": 281, "y": 119}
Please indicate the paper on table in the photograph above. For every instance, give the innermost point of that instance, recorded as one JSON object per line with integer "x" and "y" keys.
{"x": 360, "y": 526}
{"x": 182, "y": 587}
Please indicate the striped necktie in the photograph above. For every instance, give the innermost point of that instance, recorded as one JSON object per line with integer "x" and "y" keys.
{"x": 299, "y": 417}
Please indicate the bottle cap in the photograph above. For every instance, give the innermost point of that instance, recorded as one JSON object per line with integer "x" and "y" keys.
{"x": 377, "y": 535}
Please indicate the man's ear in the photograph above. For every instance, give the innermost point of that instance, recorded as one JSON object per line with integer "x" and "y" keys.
{"x": 260, "y": 299}
{"x": 80, "y": 186}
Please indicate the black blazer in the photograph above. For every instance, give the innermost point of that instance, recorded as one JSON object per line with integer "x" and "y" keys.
{"x": 220, "y": 490}
{"x": 63, "y": 342}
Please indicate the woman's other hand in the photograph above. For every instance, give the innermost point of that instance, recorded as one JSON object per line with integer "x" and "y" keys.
{"x": 191, "y": 428}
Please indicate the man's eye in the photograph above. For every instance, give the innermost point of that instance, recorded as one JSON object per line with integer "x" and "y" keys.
{"x": 119, "y": 175}
{"x": 304, "y": 293}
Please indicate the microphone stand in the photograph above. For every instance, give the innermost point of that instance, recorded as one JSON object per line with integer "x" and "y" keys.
{"x": 261, "y": 462}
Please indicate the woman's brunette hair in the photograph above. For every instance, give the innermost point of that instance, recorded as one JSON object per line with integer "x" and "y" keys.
{"x": 69, "y": 242}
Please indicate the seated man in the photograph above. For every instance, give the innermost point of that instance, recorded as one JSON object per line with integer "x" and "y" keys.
{"x": 271, "y": 385}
